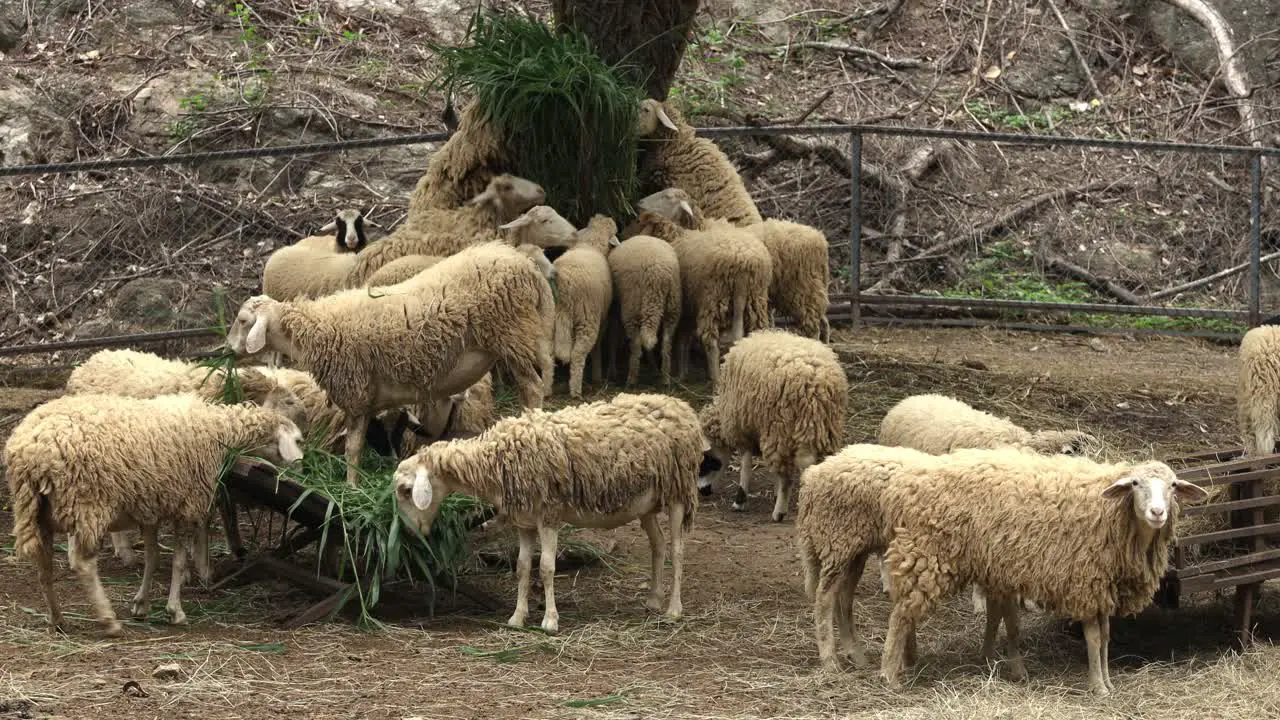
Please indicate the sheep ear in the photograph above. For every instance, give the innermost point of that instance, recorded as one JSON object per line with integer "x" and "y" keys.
{"x": 662, "y": 117}
{"x": 421, "y": 490}
{"x": 1119, "y": 488}
{"x": 257, "y": 337}
{"x": 614, "y": 241}
{"x": 687, "y": 209}
{"x": 333, "y": 225}
{"x": 485, "y": 196}
{"x": 517, "y": 223}
{"x": 1189, "y": 493}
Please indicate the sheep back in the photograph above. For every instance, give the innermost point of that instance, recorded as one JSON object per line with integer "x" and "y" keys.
{"x": 801, "y": 274}
{"x": 1258, "y": 391}
{"x": 938, "y": 424}
{"x": 646, "y": 280}
{"x": 142, "y": 375}
{"x": 699, "y": 167}
{"x": 401, "y": 269}
{"x": 307, "y": 270}
{"x": 584, "y": 288}
{"x": 715, "y": 267}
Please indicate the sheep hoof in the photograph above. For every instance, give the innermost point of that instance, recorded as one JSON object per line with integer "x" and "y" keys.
{"x": 113, "y": 629}
{"x": 1017, "y": 672}
{"x": 673, "y": 613}
{"x": 654, "y": 604}
{"x": 738, "y": 506}
{"x": 516, "y": 621}
{"x": 779, "y": 517}
{"x": 140, "y": 608}
{"x": 551, "y": 625}
{"x": 177, "y": 617}
{"x": 1099, "y": 689}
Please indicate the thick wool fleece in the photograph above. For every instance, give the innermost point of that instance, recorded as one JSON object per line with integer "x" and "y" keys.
{"x": 96, "y": 458}
{"x": 401, "y": 269}
{"x": 700, "y": 168}
{"x": 1258, "y": 395}
{"x": 461, "y": 168}
{"x": 141, "y": 374}
{"x": 646, "y": 279}
{"x": 781, "y": 395}
{"x": 307, "y": 269}
{"x": 938, "y": 424}
{"x": 801, "y": 274}
{"x": 597, "y": 457}
{"x": 584, "y": 292}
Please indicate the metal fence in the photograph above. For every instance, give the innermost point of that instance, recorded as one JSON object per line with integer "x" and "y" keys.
{"x": 852, "y": 305}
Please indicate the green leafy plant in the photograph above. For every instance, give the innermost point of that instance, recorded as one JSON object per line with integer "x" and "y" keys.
{"x": 569, "y": 118}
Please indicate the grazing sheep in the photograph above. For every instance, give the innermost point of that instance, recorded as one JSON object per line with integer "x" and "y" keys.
{"x": 937, "y": 424}
{"x": 724, "y": 277}
{"x": 429, "y": 337}
{"x": 783, "y": 397}
{"x": 1086, "y": 540}
{"x": 584, "y": 291}
{"x": 801, "y": 274}
{"x": 1258, "y": 394}
{"x": 89, "y": 464}
{"x": 646, "y": 279}
{"x": 446, "y": 231}
{"x": 601, "y": 464}
{"x": 461, "y": 168}
{"x": 675, "y": 157}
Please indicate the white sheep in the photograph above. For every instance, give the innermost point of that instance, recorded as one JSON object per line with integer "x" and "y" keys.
{"x": 646, "y": 280}
{"x": 783, "y": 397}
{"x": 429, "y": 337}
{"x": 1086, "y": 540}
{"x": 1258, "y": 391}
{"x": 601, "y": 464}
{"x": 89, "y": 464}
{"x": 584, "y": 291}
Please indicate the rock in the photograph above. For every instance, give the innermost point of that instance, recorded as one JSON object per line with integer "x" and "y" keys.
{"x": 149, "y": 302}
{"x": 1096, "y": 345}
{"x": 172, "y": 671}
{"x": 1045, "y": 66}
{"x": 1121, "y": 260}
{"x": 150, "y": 13}
{"x": 30, "y": 130}
{"x": 1255, "y": 24}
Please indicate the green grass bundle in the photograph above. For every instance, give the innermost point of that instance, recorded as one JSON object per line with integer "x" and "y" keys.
{"x": 567, "y": 117}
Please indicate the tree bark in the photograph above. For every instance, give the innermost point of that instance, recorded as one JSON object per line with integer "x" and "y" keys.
{"x": 648, "y": 35}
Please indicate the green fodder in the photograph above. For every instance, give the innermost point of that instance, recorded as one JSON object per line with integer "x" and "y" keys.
{"x": 568, "y": 118}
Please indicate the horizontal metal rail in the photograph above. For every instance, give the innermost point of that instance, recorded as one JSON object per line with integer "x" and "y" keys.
{"x": 1095, "y": 308}
{"x": 113, "y": 341}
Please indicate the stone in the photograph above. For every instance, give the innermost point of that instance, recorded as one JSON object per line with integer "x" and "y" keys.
{"x": 1255, "y": 24}
{"x": 171, "y": 671}
{"x": 151, "y": 302}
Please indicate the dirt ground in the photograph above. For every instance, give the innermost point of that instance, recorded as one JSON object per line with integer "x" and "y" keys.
{"x": 745, "y": 647}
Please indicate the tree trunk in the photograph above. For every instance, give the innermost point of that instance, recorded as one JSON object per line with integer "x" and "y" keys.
{"x": 649, "y": 35}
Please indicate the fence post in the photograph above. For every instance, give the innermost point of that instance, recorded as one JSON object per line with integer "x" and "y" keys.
{"x": 1255, "y": 241}
{"x": 855, "y": 228}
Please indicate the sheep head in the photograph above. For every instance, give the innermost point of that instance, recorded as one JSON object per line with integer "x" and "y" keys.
{"x": 715, "y": 452}
{"x": 348, "y": 229}
{"x": 1155, "y": 489}
{"x": 1064, "y": 442}
{"x": 674, "y": 204}
{"x": 542, "y": 226}
{"x": 601, "y": 233}
{"x": 286, "y": 402}
{"x": 540, "y": 260}
{"x": 508, "y": 195}
{"x": 256, "y": 328}
{"x": 652, "y": 114}
{"x": 420, "y": 488}
{"x": 286, "y": 445}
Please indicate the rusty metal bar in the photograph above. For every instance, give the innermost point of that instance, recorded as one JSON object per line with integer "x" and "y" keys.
{"x": 114, "y": 341}
{"x": 855, "y": 228}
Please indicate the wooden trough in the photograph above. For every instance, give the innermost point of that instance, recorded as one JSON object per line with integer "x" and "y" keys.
{"x": 1243, "y": 557}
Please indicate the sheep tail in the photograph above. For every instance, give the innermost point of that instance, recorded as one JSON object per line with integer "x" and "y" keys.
{"x": 29, "y": 510}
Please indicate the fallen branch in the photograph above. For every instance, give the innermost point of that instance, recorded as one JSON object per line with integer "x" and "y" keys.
{"x": 855, "y": 51}
{"x": 1233, "y": 270}
{"x": 1002, "y": 222}
{"x": 1101, "y": 284}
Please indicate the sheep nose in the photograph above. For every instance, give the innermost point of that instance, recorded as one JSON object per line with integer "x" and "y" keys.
{"x": 1156, "y": 513}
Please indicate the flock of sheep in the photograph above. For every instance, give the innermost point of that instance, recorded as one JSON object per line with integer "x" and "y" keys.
{"x": 396, "y": 342}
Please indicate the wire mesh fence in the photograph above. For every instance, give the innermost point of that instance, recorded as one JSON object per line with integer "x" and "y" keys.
{"x": 924, "y": 226}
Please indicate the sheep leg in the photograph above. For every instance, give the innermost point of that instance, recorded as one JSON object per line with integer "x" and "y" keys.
{"x": 582, "y": 347}
{"x": 668, "y": 333}
{"x": 174, "y": 605}
{"x": 1105, "y": 622}
{"x": 44, "y": 573}
{"x": 150, "y": 558}
{"x": 850, "y": 644}
{"x": 658, "y": 551}
{"x": 979, "y": 599}
{"x": 524, "y": 567}
{"x": 738, "y": 328}
{"x": 901, "y": 632}
{"x": 824, "y": 610}
{"x": 597, "y": 357}
{"x": 675, "y": 518}
{"x": 123, "y": 547}
{"x": 782, "y": 496}
{"x": 744, "y": 481}
{"x": 547, "y": 569}
{"x": 357, "y": 425}
{"x": 711, "y": 346}
{"x": 1093, "y": 638}
{"x": 683, "y": 345}
{"x": 884, "y": 575}
{"x": 994, "y": 617}
{"x": 633, "y": 362}
{"x": 84, "y": 560}
{"x": 200, "y": 553}
{"x": 1012, "y": 632}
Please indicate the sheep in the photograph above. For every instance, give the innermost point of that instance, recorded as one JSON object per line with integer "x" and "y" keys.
{"x": 348, "y": 230}
{"x": 600, "y": 464}
{"x": 783, "y": 397}
{"x": 584, "y": 291}
{"x": 461, "y": 168}
{"x": 677, "y": 158}
{"x": 1258, "y": 391}
{"x": 646, "y": 279}
{"x": 801, "y": 274}
{"x": 1111, "y": 527}
{"x": 401, "y": 269}
{"x": 474, "y": 413}
{"x": 937, "y": 424}
{"x": 446, "y": 231}
{"x": 88, "y": 464}
{"x": 724, "y": 279}
{"x": 429, "y": 337}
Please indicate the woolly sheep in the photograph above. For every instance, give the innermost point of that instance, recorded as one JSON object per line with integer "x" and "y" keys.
{"x": 646, "y": 279}
{"x": 801, "y": 274}
{"x": 1111, "y": 529}
{"x": 474, "y": 414}
{"x": 783, "y": 397}
{"x": 446, "y": 231}
{"x": 88, "y": 464}
{"x": 937, "y": 424}
{"x": 677, "y": 158}
{"x": 723, "y": 274}
{"x": 601, "y": 464}
{"x": 1258, "y": 391}
{"x": 431, "y": 336}
{"x": 348, "y": 230}
{"x": 461, "y": 168}
{"x": 401, "y": 269}
{"x": 584, "y": 291}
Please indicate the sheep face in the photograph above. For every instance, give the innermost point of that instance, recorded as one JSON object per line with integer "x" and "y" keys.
{"x": 286, "y": 448}
{"x": 286, "y": 402}
{"x": 348, "y": 228}
{"x": 510, "y": 195}
{"x": 714, "y": 452}
{"x": 419, "y": 492}
{"x": 541, "y": 226}
{"x": 652, "y": 114}
{"x": 248, "y": 334}
{"x": 1154, "y": 488}
{"x": 672, "y": 203}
